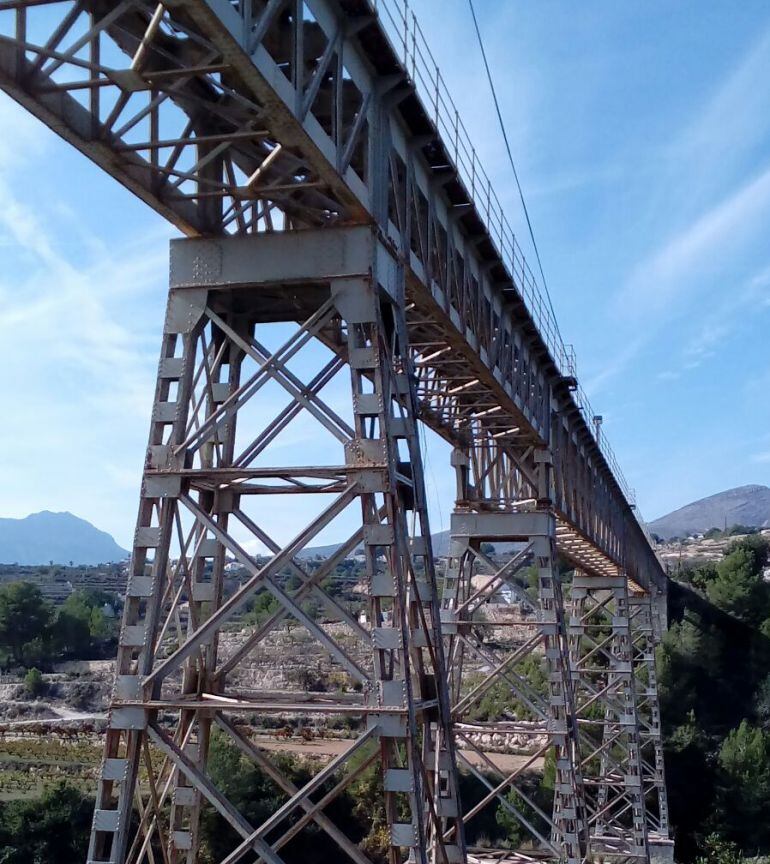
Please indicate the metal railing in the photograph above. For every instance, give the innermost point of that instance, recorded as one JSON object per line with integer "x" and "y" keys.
{"x": 402, "y": 28}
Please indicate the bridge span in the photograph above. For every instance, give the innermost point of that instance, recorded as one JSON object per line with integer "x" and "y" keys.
{"x": 325, "y": 186}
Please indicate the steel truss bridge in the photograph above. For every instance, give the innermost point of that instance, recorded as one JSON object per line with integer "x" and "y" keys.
{"x": 325, "y": 186}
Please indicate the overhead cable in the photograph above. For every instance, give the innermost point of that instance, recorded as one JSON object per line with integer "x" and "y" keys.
{"x": 513, "y": 164}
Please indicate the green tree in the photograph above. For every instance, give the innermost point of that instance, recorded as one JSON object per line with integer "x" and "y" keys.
{"x": 741, "y": 529}
{"x": 700, "y": 577}
{"x": 256, "y": 796}
{"x": 25, "y": 619}
{"x": 508, "y": 818}
{"x": 717, "y": 850}
{"x": 71, "y": 634}
{"x": 744, "y": 762}
{"x": 52, "y": 829}
{"x": 81, "y": 628}
{"x": 738, "y": 588}
{"x": 685, "y": 662}
{"x": 716, "y": 720}
{"x": 33, "y": 682}
{"x": 99, "y": 625}
{"x": 538, "y": 801}
{"x": 763, "y": 704}
{"x": 262, "y": 607}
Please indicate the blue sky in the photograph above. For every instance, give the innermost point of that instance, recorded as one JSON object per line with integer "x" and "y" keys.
{"x": 642, "y": 137}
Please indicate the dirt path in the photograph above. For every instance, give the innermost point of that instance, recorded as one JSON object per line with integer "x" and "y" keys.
{"x": 328, "y": 748}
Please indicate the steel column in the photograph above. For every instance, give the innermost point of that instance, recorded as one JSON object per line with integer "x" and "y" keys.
{"x": 606, "y": 703}
{"x": 205, "y": 482}
{"x": 645, "y": 636}
{"x": 503, "y": 650}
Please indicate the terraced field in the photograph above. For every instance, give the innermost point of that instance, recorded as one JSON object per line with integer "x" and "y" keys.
{"x": 30, "y": 762}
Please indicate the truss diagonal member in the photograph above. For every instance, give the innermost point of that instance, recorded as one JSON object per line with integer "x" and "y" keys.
{"x": 313, "y": 403}
{"x": 519, "y": 687}
{"x": 271, "y": 366}
{"x": 503, "y": 574}
{"x": 142, "y": 810}
{"x": 140, "y": 55}
{"x": 275, "y": 366}
{"x": 68, "y": 57}
{"x": 495, "y": 769}
{"x": 354, "y": 137}
{"x": 289, "y": 413}
{"x": 139, "y": 846}
{"x": 332, "y": 795}
{"x": 260, "y": 576}
{"x": 319, "y": 74}
{"x": 218, "y": 801}
{"x": 326, "y": 568}
{"x": 236, "y": 601}
{"x": 56, "y": 37}
{"x": 165, "y": 85}
{"x": 498, "y": 670}
{"x": 301, "y": 796}
{"x": 310, "y": 583}
{"x": 510, "y": 807}
{"x": 507, "y": 782}
{"x": 260, "y": 27}
{"x": 157, "y": 819}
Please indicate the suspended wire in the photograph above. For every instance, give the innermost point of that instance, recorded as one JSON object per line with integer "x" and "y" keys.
{"x": 513, "y": 164}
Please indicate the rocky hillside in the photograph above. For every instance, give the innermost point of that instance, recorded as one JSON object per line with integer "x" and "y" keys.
{"x": 58, "y": 537}
{"x": 746, "y": 505}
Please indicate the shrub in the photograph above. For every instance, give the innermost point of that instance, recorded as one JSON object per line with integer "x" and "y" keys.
{"x": 34, "y": 683}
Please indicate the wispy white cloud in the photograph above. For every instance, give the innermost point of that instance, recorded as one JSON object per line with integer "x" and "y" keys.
{"x": 676, "y": 270}
{"x": 74, "y": 316}
{"x": 71, "y": 311}
{"x": 689, "y": 279}
{"x": 613, "y": 366}
{"x": 724, "y": 317}
{"x": 711, "y": 206}
{"x": 560, "y": 183}
{"x": 735, "y": 118}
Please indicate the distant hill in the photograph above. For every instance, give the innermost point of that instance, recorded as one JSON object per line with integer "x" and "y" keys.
{"x": 746, "y": 505}
{"x": 58, "y": 537}
{"x": 440, "y": 547}
{"x": 441, "y": 542}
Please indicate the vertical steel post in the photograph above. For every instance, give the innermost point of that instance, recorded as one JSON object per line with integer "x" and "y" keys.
{"x": 605, "y": 695}
{"x": 481, "y": 659}
{"x": 646, "y": 636}
{"x": 172, "y": 683}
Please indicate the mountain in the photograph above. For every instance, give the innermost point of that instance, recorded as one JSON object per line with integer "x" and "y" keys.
{"x": 441, "y": 542}
{"x": 440, "y": 547}
{"x": 58, "y": 537}
{"x": 746, "y": 505}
